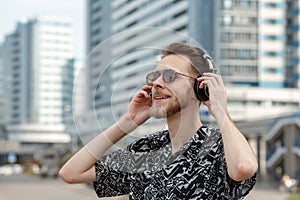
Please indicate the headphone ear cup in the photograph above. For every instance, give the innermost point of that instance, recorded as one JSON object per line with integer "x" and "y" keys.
{"x": 202, "y": 94}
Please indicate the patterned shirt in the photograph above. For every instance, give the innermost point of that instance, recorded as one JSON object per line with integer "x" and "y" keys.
{"x": 148, "y": 170}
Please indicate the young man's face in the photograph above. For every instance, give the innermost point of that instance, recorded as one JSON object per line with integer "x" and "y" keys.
{"x": 171, "y": 98}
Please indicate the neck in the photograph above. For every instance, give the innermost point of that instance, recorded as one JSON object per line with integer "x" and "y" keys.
{"x": 182, "y": 126}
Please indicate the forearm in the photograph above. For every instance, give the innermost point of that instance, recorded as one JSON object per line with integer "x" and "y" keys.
{"x": 80, "y": 168}
{"x": 240, "y": 159}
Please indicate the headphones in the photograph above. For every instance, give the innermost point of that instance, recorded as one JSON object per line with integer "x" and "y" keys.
{"x": 202, "y": 94}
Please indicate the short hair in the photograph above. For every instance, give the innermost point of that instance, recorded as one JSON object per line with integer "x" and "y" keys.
{"x": 200, "y": 60}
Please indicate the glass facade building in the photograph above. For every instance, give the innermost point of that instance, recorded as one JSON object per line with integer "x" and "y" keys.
{"x": 36, "y": 53}
{"x": 253, "y": 43}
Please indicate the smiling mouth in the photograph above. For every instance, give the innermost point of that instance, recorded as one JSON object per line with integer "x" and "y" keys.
{"x": 161, "y": 97}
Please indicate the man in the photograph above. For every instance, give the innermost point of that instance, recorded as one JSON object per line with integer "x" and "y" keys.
{"x": 187, "y": 161}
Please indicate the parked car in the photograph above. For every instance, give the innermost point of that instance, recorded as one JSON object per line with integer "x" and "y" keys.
{"x": 49, "y": 170}
{"x": 11, "y": 169}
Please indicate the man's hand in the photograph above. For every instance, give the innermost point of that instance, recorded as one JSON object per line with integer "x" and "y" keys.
{"x": 217, "y": 103}
{"x": 139, "y": 107}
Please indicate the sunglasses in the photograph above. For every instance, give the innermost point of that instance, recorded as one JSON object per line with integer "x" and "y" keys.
{"x": 168, "y": 76}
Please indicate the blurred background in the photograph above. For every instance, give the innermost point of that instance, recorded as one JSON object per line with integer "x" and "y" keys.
{"x": 69, "y": 68}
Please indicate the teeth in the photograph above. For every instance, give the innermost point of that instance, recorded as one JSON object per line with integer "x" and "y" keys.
{"x": 161, "y": 97}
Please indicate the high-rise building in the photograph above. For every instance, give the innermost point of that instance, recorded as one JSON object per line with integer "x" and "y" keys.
{"x": 256, "y": 42}
{"x": 119, "y": 55}
{"x": 3, "y": 94}
{"x": 36, "y": 56}
{"x": 3, "y": 89}
{"x": 136, "y": 46}
{"x": 97, "y": 92}
{"x": 293, "y": 35}
{"x": 236, "y": 41}
{"x": 98, "y": 17}
{"x": 249, "y": 40}
{"x": 75, "y": 98}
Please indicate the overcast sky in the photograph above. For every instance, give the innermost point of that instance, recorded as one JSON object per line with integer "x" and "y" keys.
{"x": 13, "y": 10}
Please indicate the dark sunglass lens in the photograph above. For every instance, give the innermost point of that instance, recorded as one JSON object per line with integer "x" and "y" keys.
{"x": 169, "y": 76}
{"x": 152, "y": 77}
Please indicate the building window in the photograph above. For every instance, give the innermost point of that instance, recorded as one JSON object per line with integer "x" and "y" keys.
{"x": 289, "y": 22}
{"x": 241, "y": 54}
{"x": 227, "y": 4}
{"x": 272, "y": 37}
{"x": 181, "y": 28}
{"x": 238, "y": 37}
{"x": 272, "y": 5}
{"x": 227, "y": 20}
{"x": 179, "y": 14}
{"x": 272, "y": 21}
{"x": 272, "y": 53}
{"x": 272, "y": 70}
{"x": 244, "y": 4}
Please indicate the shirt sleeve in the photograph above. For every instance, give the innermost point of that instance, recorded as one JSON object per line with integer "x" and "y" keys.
{"x": 241, "y": 189}
{"x": 113, "y": 177}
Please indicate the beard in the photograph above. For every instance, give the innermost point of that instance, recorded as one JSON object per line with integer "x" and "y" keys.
{"x": 165, "y": 110}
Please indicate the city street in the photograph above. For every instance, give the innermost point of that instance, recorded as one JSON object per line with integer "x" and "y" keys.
{"x": 34, "y": 188}
{"x": 23, "y": 187}
{"x": 263, "y": 191}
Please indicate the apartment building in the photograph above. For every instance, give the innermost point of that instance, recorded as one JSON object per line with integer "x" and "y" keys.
{"x": 35, "y": 55}
{"x": 3, "y": 95}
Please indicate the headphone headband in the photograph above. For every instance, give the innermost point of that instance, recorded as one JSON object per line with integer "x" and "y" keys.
{"x": 208, "y": 58}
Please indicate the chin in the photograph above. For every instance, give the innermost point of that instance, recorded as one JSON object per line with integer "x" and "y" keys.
{"x": 158, "y": 113}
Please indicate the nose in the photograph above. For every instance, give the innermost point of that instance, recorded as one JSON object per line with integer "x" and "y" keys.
{"x": 158, "y": 83}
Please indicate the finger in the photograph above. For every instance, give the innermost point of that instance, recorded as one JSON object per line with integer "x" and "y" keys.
{"x": 146, "y": 87}
{"x": 213, "y": 81}
{"x": 210, "y": 80}
{"x": 206, "y": 83}
{"x": 209, "y": 74}
{"x": 216, "y": 76}
{"x": 213, "y": 78}
{"x": 202, "y": 85}
{"x": 144, "y": 93}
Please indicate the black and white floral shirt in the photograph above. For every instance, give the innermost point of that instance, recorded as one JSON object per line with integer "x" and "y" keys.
{"x": 148, "y": 170}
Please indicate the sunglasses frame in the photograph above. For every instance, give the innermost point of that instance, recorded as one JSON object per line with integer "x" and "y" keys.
{"x": 162, "y": 72}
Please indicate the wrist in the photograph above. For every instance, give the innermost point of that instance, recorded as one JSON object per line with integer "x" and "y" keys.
{"x": 126, "y": 124}
{"x": 222, "y": 118}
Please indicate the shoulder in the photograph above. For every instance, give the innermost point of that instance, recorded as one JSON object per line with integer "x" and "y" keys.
{"x": 210, "y": 133}
{"x": 150, "y": 142}
{"x": 209, "y": 130}
{"x": 212, "y": 139}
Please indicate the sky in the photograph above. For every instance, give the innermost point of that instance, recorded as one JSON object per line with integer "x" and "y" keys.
{"x": 11, "y": 11}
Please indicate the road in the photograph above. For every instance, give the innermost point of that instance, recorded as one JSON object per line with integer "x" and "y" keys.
{"x": 34, "y": 188}
{"x": 19, "y": 187}
{"x": 263, "y": 191}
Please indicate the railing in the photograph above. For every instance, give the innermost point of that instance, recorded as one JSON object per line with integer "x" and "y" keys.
{"x": 275, "y": 156}
{"x": 279, "y": 124}
{"x": 296, "y": 150}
